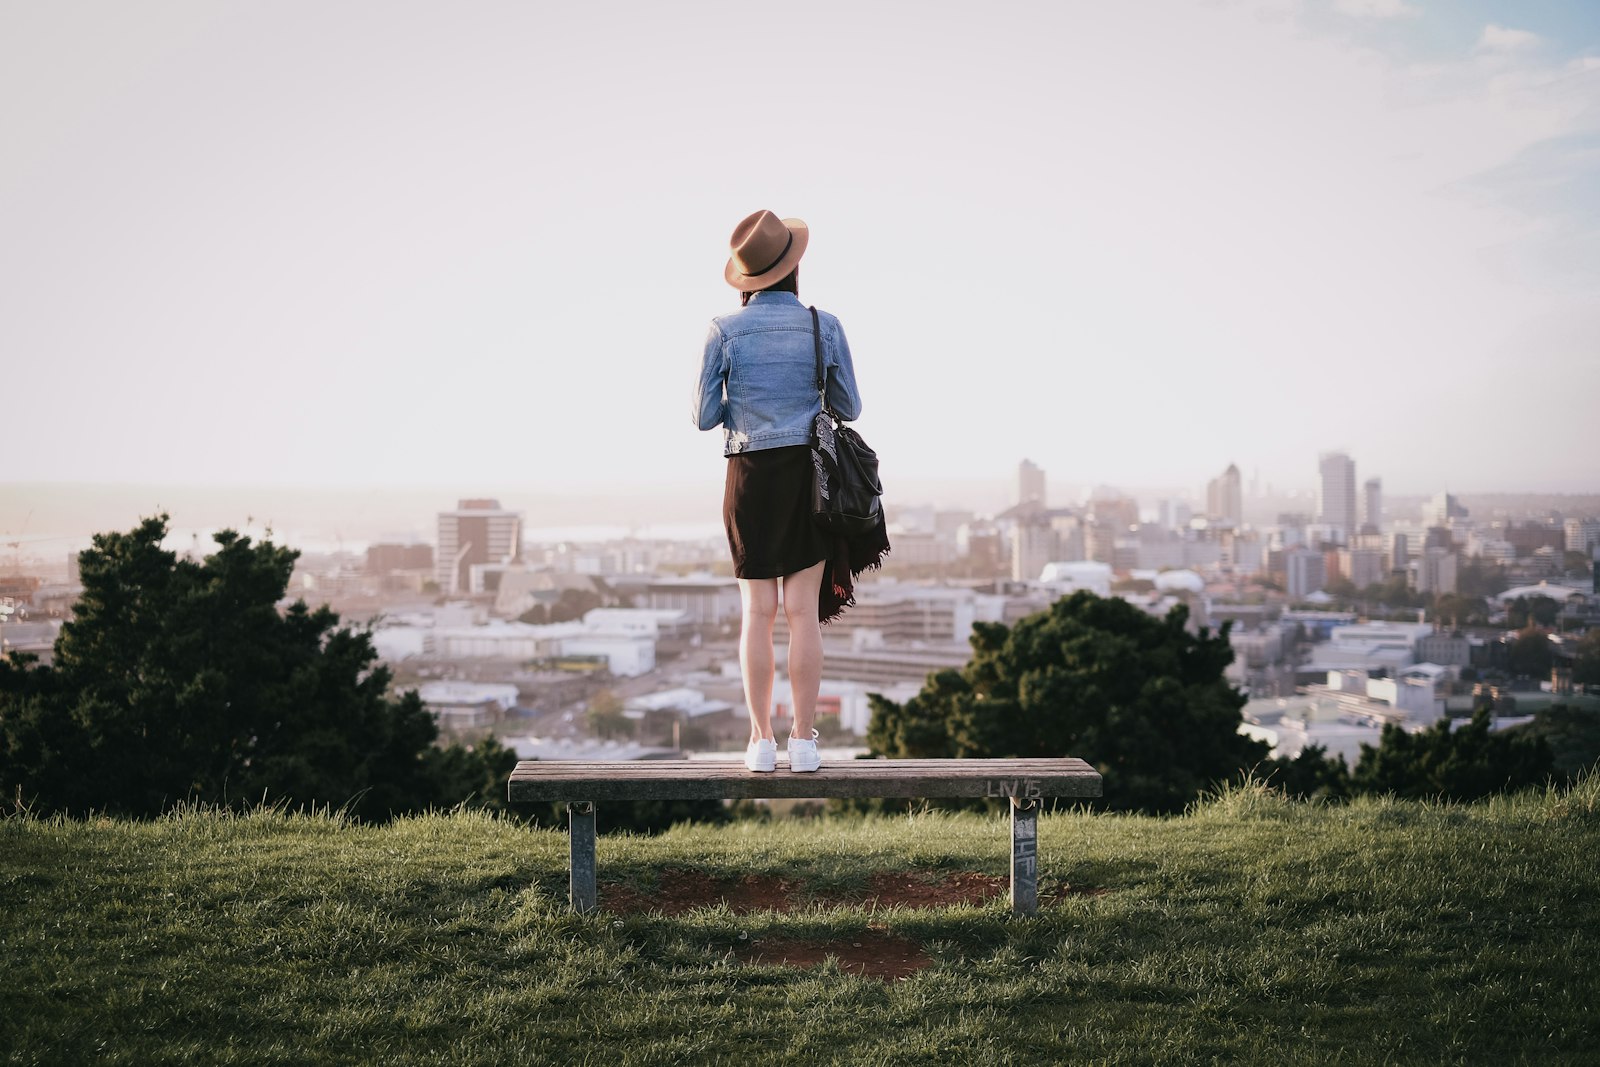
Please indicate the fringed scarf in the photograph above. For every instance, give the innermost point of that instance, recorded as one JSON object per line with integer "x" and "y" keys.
{"x": 850, "y": 556}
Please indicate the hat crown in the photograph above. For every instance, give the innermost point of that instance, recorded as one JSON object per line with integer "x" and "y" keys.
{"x": 759, "y": 242}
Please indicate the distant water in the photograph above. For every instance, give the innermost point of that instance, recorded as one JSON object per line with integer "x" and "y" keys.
{"x": 660, "y": 531}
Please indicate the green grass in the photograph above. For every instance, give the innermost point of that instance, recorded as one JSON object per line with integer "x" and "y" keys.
{"x": 1252, "y": 930}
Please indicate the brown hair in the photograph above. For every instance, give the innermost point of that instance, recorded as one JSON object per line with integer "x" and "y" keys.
{"x": 789, "y": 283}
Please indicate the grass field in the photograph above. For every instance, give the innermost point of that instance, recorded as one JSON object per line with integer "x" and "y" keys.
{"x": 1252, "y": 930}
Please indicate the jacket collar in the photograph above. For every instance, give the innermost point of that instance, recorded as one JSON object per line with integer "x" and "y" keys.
{"x": 778, "y": 297}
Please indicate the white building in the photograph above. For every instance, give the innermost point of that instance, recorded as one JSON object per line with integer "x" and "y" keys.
{"x": 690, "y": 703}
{"x": 1067, "y": 577}
{"x": 1034, "y": 543}
{"x": 1484, "y": 546}
{"x": 1389, "y": 646}
{"x": 848, "y": 700}
{"x": 1348, "y": 712}
{"x": 1561, "y": 594}
{"x": 707, "y": 601}
{"x": 645, "y": 622}
{"x": 1582, "y": 535}
{"x": 1436, "y": 571}
{"x": 907, "y": 612}
{"x": 1417, "y": 690}
{"x": 459, "y": 704}
{"x": 1292, "y": 724}
{"x": 626, "y": 654}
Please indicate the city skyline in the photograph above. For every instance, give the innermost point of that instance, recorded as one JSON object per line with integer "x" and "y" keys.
{"x": 330, "y": 520}
{"x": 1134, "y": 252}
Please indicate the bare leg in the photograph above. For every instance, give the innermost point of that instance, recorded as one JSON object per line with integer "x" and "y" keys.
{"x": 800, "y": 593}
{"x": 759, "y": 598}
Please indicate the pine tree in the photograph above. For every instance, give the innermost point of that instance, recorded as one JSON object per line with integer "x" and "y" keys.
{"x": 1140, "y": 698}
{"x": 178, "y": 680}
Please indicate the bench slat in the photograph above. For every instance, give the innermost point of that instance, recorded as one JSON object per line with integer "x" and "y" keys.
{"x": 536, "y": 780}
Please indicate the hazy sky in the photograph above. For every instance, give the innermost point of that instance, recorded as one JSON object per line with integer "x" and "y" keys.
{"x": 476, "y": 244}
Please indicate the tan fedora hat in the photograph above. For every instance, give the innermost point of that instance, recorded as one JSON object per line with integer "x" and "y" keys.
{"x": 765, "y": 249}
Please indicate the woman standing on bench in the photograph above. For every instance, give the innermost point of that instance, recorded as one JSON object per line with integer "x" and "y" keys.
{"x": 758, "y": 381}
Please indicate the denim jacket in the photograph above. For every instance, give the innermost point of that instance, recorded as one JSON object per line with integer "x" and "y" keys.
{"x": 758, "y": 380}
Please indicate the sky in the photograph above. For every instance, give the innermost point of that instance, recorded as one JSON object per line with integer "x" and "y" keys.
{"x": 380, "y": 243}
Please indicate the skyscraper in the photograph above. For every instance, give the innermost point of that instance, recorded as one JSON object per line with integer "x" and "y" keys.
{"x": 1225, "y": 497}
{"x": 1030, "y": 484}
{"x": 1442, "y": 509}
{"x": 1336, "y": 493}
{"x": 1033, "y": 544}
{"x": 478, "y": 531}
{"x": 1372, "y": 498}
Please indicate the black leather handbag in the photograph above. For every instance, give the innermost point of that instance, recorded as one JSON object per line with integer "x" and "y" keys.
{"x": 846, "y": 495}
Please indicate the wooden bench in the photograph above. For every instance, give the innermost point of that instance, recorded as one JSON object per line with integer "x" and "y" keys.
{"x": 582, "y": 784}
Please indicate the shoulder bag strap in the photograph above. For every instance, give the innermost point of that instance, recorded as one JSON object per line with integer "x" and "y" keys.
{"x": 822, "y": 373}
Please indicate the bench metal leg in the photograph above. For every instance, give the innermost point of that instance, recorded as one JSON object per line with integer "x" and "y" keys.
{"x": 1024, "y": 856}
{"x": 580, "y": 829}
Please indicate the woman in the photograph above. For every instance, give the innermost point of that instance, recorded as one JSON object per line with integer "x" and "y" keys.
{"x": 758, "y": 381}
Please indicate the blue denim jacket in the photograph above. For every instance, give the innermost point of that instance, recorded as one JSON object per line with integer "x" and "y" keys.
{"x": 758, "y": 380}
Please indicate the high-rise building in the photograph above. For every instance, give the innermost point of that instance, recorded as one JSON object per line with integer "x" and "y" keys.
{"x": 1399, "y": 553}
{"x": 1582, "y": 535}
{"x": 1030, "y": 484}
{"x": 1436, "y": 571}
{"x": 1173, "y": 514}
{"x": 1225, "y": 497}
{"x": 1033, "y": 544}
{"x": 1108, "y": 505}
{"x": 1305, "y": 571}
{"x": 1336, "y": 494}
{"x": 1442, "y": 509}
{"x": 1372, "y": 501}
{"x": 478, "y": 531}
{"x": 1363, "y": 566}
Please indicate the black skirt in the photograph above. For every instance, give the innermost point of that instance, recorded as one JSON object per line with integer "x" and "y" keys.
{"x": 766, "y": 509}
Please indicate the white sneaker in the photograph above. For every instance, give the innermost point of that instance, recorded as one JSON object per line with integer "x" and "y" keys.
{"x": 803, "y": 754}
{"x": 761, "y": 755}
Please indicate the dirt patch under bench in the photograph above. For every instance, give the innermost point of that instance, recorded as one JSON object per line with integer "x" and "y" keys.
{"x": 875, "y": 953}
{"x": 872, "y": 954}
{"x": 680, "y": 890}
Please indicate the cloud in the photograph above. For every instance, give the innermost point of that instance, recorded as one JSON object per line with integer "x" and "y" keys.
{"x": 1377, "y": 9}
{"x": 1504, "y": 39}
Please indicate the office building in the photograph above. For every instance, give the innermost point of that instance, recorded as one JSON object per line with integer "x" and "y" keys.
{"x": 1304, "y": 571}
{"x": 1033, "y": 544}
{"x": 1363, "y": 566}
{"x": 1436, "y": 571}
{"x": 1225, "y": 497}
{"x": 1443, "y": 510}
{"x": 1372, "y": 505}
{"x": 1581, "y": 535}
{"x": 1399, "y": 553}
{"x": 1030, "y": 483}
{"x": 476, "y": 532}
{"x": 1336, "y": 494}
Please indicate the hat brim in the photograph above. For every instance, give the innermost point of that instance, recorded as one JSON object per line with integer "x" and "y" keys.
{"x": 749, "y": 283}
